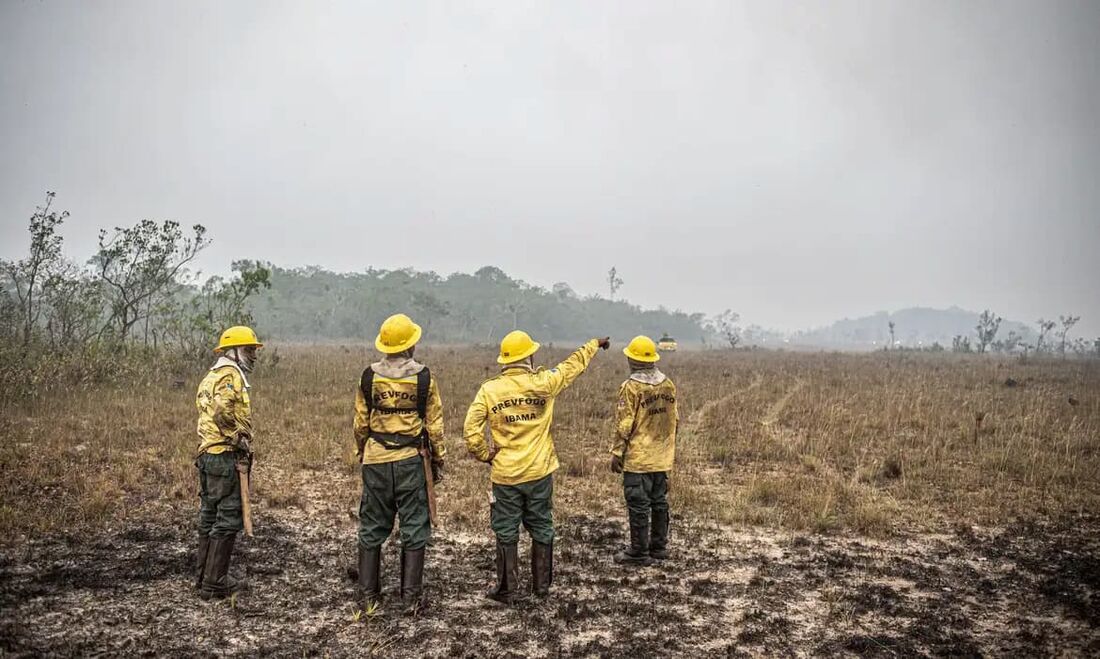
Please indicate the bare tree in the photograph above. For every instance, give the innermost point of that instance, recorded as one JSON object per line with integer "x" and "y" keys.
{"x": 1009, "y": 344}
{"x": 892, "y": 340}
{"x": 987, "y": 327}
{"x": 960, "y": 343}
{"x": 139, "y": 264}
{"x": 1044, "y": 327}
{"x": 29, "y": 275}
{"x": 725, "y": 324}
{"x": 614, "y": 282}
{"x": 1067, "y": 324}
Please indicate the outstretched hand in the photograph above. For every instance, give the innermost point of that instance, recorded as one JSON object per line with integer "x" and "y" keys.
{"x": 605, "y": 342}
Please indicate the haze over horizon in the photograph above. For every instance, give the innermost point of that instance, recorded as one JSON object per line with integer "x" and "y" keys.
{"x": 799, "y": 164}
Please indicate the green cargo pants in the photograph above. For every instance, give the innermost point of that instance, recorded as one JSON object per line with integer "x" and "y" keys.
{"x": 389, "y": 489}
{"x": 532, "y": 503}
{"x": 219, "y": 495}
{"x": 645, "y": 493}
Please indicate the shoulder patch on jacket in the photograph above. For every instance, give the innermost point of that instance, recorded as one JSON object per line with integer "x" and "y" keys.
{"x": 228, "y": 379}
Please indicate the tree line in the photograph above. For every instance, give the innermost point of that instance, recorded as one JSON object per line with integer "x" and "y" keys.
{"x": 311, "y": 303}
{"x": 64, "y": 323}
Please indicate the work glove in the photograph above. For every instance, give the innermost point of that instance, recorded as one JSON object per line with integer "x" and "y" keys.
{"x": 492, "y": 454}
{"x": 437, "y": 471}
{"x": 605, "y": 342}
{"x": 616, "y": 464}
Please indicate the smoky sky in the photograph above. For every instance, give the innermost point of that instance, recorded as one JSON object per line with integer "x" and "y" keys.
{"x": 797, "y": 162}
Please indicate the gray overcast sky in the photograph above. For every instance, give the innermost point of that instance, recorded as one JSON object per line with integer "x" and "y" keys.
{"x": 798, "y": 162}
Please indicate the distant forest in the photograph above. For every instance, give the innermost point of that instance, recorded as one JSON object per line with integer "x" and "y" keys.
{"x": 312, "y": 303}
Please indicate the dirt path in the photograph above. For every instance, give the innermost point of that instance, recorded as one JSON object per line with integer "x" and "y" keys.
{"x": 1022, "y": 591}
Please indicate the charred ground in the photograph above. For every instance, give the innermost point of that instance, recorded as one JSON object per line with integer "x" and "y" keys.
{"x": 1023, "y": 590}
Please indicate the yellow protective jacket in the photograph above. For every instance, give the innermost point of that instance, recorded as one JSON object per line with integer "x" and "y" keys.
{"x": 518, "y": 405}
{"x": 225, "y": 409}
{"x": 645, "y": 423}
{"x": 395, "y": 387}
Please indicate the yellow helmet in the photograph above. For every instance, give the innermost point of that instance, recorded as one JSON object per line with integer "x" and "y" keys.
{"x": 398, "y": 334}
{"x": 237, "y": 337}
{"x": 642, "y": 349}
{"x": 516, "y": 345}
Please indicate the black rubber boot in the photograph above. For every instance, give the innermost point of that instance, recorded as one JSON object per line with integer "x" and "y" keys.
{"x": 216, "y": 583}
{"x": 658, "y": 535}
{"x": 542, "y": 568}
{"x": 200, "y": 559}
{"x": 370, "y": 577}
{"x": 507, "y": 574}
{"x": 638, "y": 552}
{"x": 412, "y": 579}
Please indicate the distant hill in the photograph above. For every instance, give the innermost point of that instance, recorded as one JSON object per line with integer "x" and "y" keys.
{"x": 914, "y": 326}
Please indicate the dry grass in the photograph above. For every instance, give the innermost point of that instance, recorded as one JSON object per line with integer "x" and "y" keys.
{"x": 869, "y": 443}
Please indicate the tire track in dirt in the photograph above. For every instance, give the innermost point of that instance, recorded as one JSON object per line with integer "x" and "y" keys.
{"x": 695, "y": 420}
{"x": 695, "y": 463}
{"x": 717, "y": 481}
{"x": 788, "y": 436}
{"x": 771, "y": 417}
{"x": 691, "y": 429}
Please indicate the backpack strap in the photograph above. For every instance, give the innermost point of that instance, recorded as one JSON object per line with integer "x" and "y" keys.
{"x": 423, "y": 384}
{"x": 366, "y": 385}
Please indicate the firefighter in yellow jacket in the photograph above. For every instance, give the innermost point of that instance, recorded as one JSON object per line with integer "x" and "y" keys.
{"x": 518, "y": 406}
{"x": 225, "y": 433}
{"x": 398, "y": 414}
{"x": 643, "y": 451}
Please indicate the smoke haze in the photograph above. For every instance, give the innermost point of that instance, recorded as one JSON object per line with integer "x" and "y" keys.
{"x": 798, "y": 162}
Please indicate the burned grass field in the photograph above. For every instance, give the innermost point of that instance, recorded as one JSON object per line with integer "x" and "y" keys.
{"x": 882, "y": 505}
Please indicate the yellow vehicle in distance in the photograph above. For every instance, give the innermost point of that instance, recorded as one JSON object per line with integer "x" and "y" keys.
{"x": 666, "y": 344}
